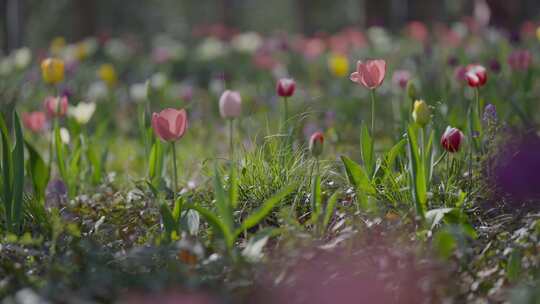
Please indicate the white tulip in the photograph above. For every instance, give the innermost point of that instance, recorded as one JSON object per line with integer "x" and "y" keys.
{"x": 82, "y": 112}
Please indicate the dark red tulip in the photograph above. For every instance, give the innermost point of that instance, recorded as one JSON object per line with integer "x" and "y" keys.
{"x": 452, "y": 139}
{"x": 285, "y": 87}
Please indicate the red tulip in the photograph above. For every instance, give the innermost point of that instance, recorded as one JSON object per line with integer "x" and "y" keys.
{"x": 34, "y": 121}
{"x": 370, "y": 73}
{"x": 285, "y": 87}
{"x": 170, "y": 124}
{"x": 230, "y": 104}
{"x": 316, "y": 144}
{"x": 476, "y": 75}
{"x": 56, "y": 106}
{"x": 451, "y": 139}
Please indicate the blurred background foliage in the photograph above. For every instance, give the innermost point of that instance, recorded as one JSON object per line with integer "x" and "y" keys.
{"x": 35, "y": 22}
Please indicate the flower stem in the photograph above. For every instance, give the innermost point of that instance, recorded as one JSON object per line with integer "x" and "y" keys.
{"x": 231, "y": 142}
{"x": 372, "y": 93}
{"x": 175, "y": 173}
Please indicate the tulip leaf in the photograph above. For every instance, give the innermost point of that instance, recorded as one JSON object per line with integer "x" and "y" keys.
{"x": 330, "y": 207}
{"x": 18, "y": 172}
{"x": 417, "y": 174}
{"x": 366, "y": 145}
{"x": 316, "y": 197}
{"x": 258, "y": 215}
{"x": 38, "y": 171}
{"x": 7, "y": 170}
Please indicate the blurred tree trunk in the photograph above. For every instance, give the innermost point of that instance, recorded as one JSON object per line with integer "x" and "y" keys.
{"x": 506, "y": 13}
{"x": 377, "y": 12}
{"x": 12, "y": 23}
{"x": 84, "y": 18}
{"x": 302, "y": 23}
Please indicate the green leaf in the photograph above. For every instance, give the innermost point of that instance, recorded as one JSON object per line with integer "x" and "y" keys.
{"x": 316, "y": 198}
{"x": 259, "y": 214}
{"x": 222, "y": 202}
{"x": 168, "y": 222}
{"x": 429, "y": 159}
{"x": 39, "y": 172}
{"x": 444, "y": 243}
{"x": 177, "y": 210}
{"x": 392, "y": 155}
{"x": 366, "y": 145}
{"x": 357, "y": 176}
{"x": 95, "y": 163}
{"x": 155, "y": 168}
{"x": 513, "y": 266}
{"x": 330, "y": 207}
{"x": 435, "y": 216}
{"x": 7, "y": 171}
{"x": 18, "y": 173}
{"x": 417, "y": 174}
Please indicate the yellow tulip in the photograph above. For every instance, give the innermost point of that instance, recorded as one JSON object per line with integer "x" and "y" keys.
{"x": 107, "y": 74}
{"x": 338, "y": 65}
{"x": 52, "y": 70}
{"x": 57, "y": 45}
{"x": 538, "y": 33}
{"x": 81, "y": 51}
{"x": 421, "y": 113}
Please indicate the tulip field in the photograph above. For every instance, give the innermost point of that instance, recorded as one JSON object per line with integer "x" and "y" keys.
{"x": 360, "y": 166}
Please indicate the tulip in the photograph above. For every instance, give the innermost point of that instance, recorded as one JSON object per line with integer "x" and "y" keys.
{"x": 230, "y": 104}
{"x": 538, "y": 33}
{"x": 451, "y": 139}
{"x": 370, "y": 74}
{"x": 285, "y": 87}
{"x": 107, "y": 74}
{"x": 170, "y": 124}
{"x": 82, "y": 112}
{"x": 476, "y": 75}
{"x": 57, "y": 45}
{"x": 401, "y": 78}
{"x": 316, "y": 144}
{"x": 52, "y": 70}
{"x": 34, "y": 121}
{"x": 421, "y": 113}
{"x": 411, "y": 90}
{"x": 520, "y": 60}
{"x": 338, "y": 65}
{"x": 64, "y": 135}
{"x": 56, "y": 106}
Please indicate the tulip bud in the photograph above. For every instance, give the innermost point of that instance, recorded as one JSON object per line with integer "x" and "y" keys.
{"x": 56, "y": 106}
{"x": 316, "y": 144}
{"x": 52, "y": 70}
{"x": 451, "y": 139}
{"x": 411, "y": 90}
{"x": 538, "y": 33}
{"x": 285, "y": 87}
{"x": 230, "y": 104}
{"x": 421, "y": 113}
{"x": 107, "y": 74}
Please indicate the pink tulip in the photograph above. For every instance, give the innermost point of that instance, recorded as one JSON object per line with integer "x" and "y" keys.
{"x": 401, "y": 78}
{"x": 285, "y": 87}
{"x": 451, "y": 139}
{"x": 476, "y": 75}
{"x": 170, "y": 124}
{"x": 520, "y": 60}
{"x": 34, "y": 121}
{"x": 230, "y": 104}
{"x": 370, "y": 74}
{"x": 56, "y": 106}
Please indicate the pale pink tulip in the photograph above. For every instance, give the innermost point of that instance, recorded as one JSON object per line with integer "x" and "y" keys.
{"x": 230, "y": 104}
